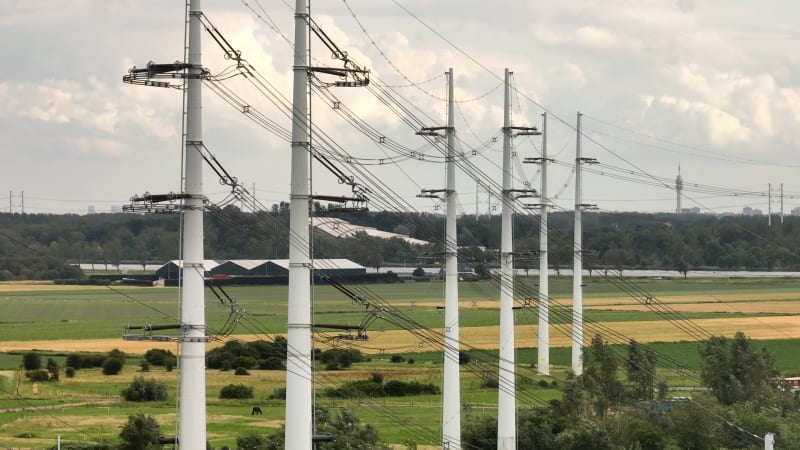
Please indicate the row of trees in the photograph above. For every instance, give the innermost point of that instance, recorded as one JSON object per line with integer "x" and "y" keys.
{"x": 44, "y": 246}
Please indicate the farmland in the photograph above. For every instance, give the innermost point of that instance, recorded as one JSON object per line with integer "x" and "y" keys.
{"x": 57, "y": 320}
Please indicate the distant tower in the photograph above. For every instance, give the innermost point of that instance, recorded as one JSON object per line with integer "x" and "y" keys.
{"x": 679, "y": 190}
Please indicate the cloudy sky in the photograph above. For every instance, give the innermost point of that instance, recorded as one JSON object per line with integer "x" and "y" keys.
{"x": 712, "y": 86}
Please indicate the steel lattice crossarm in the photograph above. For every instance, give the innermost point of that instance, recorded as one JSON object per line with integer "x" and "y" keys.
{"x": 150, "y": 74}
{"x": 147, "y": 332}
{"x": 158, "y": 203}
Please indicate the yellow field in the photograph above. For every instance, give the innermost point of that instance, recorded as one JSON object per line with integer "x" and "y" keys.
{"x": 394, "y": 341}
{"x": 784, "y": 325}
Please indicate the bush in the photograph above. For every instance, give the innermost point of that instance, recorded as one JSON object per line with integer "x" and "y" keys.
{"x": 31, "y": 361}
{"x": 411, "y": 360}
{"x": 278, "y": 394}
{"x": 490, "y": 382}
{"x": 236, "y": 391}
{"x": 95, "y": 360}
{"x": 397, "y": 359}
{"x": 271, "y": 363}
{"x": 464, "y": 358}
{"x": 74, "y": 360}
{"x": 543, "y": 384}
{"x": 38, "y": 375}
{"x": 141, "y": 390}
{"x": 53, "y": 369}
{"x": 160, "y": 357}
{"x": 145, "y": 365}
{"x": 80, "y": 446}
{"x": 336, "y": 358}
{"x": 241, "y": 371}
{"x": 118, "y": 354}
{"x": 69, "y": 372}
{"x": 112, "y": 366}
{"x": 246, "y": 362}
{"x": 141, "y": 432}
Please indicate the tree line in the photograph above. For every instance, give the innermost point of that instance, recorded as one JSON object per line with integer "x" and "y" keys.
{"x": 43, "y": 246}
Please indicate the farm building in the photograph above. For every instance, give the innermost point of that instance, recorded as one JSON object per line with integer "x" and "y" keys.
{"x": 172, "y": 269}
{"x": 331, "y": 267}
{"x": 261, "y": 268}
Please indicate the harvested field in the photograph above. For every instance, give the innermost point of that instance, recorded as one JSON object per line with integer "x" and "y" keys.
{"x": 754, "y": 307}
{"x": 391, "y": 341}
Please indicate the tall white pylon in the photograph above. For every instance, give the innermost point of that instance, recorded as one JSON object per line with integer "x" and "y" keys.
{"x": 506, "y": 403}
{"x": 192, "y": 420}
{"x": 451, "y": 394}
{"x": 577, "y": 266}
{"x": 543, "y": 365}
{"x": 299, "y": 381}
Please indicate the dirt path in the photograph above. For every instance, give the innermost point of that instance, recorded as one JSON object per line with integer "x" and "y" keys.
{"x": 92, "y": 402}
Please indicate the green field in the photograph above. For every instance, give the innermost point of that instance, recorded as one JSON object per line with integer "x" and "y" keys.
{"x": 88, "y": 407}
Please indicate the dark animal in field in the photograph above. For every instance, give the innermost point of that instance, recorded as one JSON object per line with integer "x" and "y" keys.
{"x": 256, "y": 411}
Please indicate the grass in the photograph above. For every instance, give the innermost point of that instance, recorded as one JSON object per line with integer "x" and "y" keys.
{"x": 44, "y": 313}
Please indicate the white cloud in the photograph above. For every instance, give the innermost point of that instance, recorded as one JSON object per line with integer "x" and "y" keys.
{"x": 87, "y": 148}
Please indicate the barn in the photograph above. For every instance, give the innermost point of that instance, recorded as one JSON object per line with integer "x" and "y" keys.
{"x": 262, "y": 268}
{"x": 172, "y": 269}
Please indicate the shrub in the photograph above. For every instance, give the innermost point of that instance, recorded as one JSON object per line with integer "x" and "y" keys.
{"x": 241, "y": 371}
{"x": 145, "y": 365}
{"x": 464, "y": 358}
{"x": 80, "y": 446}
{"x": 31, "y": 361}
{"x": 160, "y": 357}
{"x": 236, "y": 391}
{"x": 543, "y": 384}
{"x": 69, "y": 372}
{"x": 53, "y": 369}
{"x": 397, "y": 359}
{"x": 490, "y": 382}
{"x": 226, "y": 365}
{"x": 411, "y": 360}
{"x": 141, "y": 390}
{"x": 38, "y": 375}
{"x": 112, "y": 366}
{"x": 271, "y": 363}
{"x": 95, "y": 360}
{"x": 118, "y": 354}
{"x": 141, "y": 432}
{"x": 336, "y": 358}
{"x": 74, "y": 360}
{"x": 246, "y": 362}
{"x": 278, "y": 394}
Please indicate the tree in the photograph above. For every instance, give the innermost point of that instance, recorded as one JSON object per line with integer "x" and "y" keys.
{"x": 112, "y": 366}
{"x": 479, "y": 432}
{"x": 736, "y": 372}
{"x": 52, "y": 369}
{"x": 346, "y": 429}
{"x": 600, "y": 376}
{"x": 236, "y": 391}
{"x": 641, "y": 370}
{"x": 141, "y": 432}
{"x": 681, "y": 257}
{"x": 141, "y": 390}
{"x": 31, "y": 361}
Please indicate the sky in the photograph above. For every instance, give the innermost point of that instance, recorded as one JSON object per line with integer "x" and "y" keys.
{"x": 708, "y": 86}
